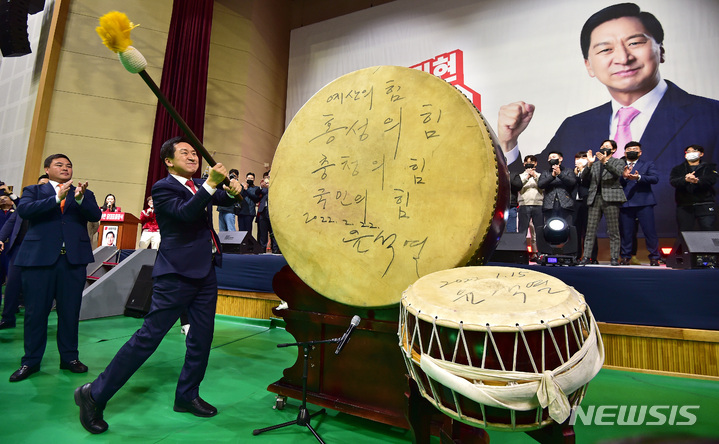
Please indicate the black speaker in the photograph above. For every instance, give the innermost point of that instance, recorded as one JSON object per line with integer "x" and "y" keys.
{"x": 511, "y": 249}
{"x": 138, "y": 303}
{"x": 14, "y": 40}
{"x": 695, "y": 249}
{"x": 239, "y": 242}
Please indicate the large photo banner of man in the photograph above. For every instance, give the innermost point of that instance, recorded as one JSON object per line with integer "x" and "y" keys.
{"x": 558, "y": 76}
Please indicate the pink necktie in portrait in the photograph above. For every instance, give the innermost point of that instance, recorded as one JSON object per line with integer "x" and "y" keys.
{"x": 624, "y": 133}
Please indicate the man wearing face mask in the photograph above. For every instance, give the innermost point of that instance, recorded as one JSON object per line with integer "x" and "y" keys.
{"x": 248, "y": 205}
{"x": 581, "y": 210}
{"x": 694, "y": 182}
{"x": 637, "y": 179}
{"x": 557, "y": 184}
{"x": 530, "y": 199}
{"x": 605, "y": 197}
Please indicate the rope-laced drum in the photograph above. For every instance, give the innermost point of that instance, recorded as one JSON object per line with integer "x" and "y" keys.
{"x": 499, "y": 347}
{"x": 386, "y": 174}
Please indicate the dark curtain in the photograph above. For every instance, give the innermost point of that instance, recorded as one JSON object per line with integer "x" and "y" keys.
{"x": 184, "y": 78}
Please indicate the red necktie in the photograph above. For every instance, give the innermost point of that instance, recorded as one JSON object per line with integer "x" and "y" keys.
{"x": 191, "y": 184}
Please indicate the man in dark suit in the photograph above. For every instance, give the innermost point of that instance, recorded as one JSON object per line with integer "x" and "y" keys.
{"x": 53, "y": 257}
{"x": 250, "y": 197}
{"x": 264, "y": 226}
{"x": 605, "y": 197}
{"x": 622, "y": 48}
{"x": 557, "y": 184}
{"x": 11, "y": 236}
{"x": 637, "y": 179}
{"x": 183, "y": 279}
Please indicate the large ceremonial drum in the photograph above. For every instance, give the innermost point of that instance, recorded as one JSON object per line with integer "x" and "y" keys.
{"x": 499, "y": 348}
{"x": 383, "y": 176}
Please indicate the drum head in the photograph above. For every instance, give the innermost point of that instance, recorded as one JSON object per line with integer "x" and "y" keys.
{"x": 385, "y": 175}
{"x": 499, "y": 297}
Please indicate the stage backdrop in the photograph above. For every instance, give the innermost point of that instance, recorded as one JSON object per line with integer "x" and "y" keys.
{"x": 511, "y": 50}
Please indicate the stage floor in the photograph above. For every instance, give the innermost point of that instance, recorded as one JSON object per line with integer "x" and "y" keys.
{"x": 244, "y": 360}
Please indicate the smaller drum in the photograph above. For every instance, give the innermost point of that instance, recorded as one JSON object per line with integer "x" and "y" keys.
{"x": 499, "y": 348}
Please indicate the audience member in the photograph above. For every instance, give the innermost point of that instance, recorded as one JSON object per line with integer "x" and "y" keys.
{"x": 183, "y": 279}
{"x": 637, "y": 179}
{"x": 530, "y": 200}
{"x": 226, "y": 214}
{"x": 557, "y": 185}
{"x": 248, "y": 204}
{"x": 511, "y": 226}
{"x": 11, "y": 236}
{"x": 109, "y": 204}
{"x": 694, "y": 182}
{"x": 605, "y": 197}
{"x": 150, "y": 236}
{"x": 53, "y": 257}
{"x": 6, "y": 211}
{"x": 581, "y": 210}
{"x": 264, "y": 226}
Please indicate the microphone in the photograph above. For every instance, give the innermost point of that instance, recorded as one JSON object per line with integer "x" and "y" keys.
{"x": 346, "y": 337}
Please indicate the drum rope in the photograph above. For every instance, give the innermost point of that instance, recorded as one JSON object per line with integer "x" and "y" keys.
{"x": 526, "y": 346}
{"x": 556, "y": 346}
{"x": 547, "y": 389}
{"x": 494, "y": 345}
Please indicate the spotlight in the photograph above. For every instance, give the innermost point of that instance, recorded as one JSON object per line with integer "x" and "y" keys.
{"x": 557, "y": 243}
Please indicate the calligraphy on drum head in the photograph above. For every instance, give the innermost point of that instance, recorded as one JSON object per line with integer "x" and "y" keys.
{"x": 474, "y": 290}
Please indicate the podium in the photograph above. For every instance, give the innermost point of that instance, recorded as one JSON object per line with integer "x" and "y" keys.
{"x": 124, "y": 226}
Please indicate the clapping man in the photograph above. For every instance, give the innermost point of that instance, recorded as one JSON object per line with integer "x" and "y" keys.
{"x": 637, "y": 179}
{"x": 53, "y": 257}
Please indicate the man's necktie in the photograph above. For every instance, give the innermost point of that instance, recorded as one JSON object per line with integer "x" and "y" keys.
{"x": 624, "y": 133}
{"x": 191, "y": 184}
{"x": 62, "y": 202}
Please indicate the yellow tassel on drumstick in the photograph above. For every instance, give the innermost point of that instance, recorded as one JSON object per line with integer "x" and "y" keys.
{"x": 114, "y": 30}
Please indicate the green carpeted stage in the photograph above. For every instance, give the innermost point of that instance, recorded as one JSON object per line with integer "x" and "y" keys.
{"x": 243, "y": 362}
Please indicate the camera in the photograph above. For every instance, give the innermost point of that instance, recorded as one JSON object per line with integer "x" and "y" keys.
{"x": 233, "y": 176}
{"x": 553, "y": 162}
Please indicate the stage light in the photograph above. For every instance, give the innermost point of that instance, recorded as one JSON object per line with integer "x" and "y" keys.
{"x": 556, "y": 231}
{"x": 557, "y": 243}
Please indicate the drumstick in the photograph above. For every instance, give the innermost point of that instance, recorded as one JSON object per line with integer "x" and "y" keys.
{"x": 115, "y": 30}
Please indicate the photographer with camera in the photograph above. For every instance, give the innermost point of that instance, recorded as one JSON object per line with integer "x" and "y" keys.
{"x": 557, "y": 184}
{"x": 606, "y": 196}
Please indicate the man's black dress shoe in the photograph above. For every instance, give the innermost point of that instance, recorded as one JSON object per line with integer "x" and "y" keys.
{"x": 625, "y": 261}
{"x": 584, "y": 261}
{"x": 197, "y": 407}
{"x": 23, "y": 372}
{"x": 74, "y": 366}
{"x": 4, "y": 325}
{"x": 90, "y": 412}
{"x": 653, "y": 262}
{"x": 614, "y": 262}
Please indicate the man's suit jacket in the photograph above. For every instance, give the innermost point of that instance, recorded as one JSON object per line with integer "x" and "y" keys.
{"x": 186, "y": 228}
{"x": 559, "y": 187}
{"x": 9, "y": 233}
{"x": 639, "y": 192}
{"x": 49, "y": 227}
{"x": 680, "y": 119}
{"x": 608, "y": 174}
{"x": 262, "y": 207}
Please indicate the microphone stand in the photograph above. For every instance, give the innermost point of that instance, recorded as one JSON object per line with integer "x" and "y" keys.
{"x": 303, "y": 417}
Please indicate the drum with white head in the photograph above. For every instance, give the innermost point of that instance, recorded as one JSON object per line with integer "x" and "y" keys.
{"x": 499, "y": 347}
